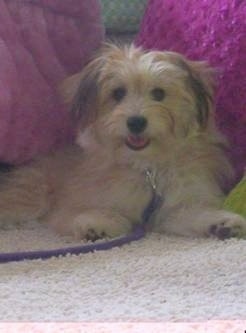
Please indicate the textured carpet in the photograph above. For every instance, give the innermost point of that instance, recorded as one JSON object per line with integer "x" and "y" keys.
{"x": 157, "y": 278}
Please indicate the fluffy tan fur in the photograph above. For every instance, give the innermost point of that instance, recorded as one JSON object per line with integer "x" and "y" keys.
{"x": 98, "y": 187}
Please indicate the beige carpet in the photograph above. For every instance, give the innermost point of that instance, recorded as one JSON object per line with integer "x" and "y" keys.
{"x": 157, "y": 278}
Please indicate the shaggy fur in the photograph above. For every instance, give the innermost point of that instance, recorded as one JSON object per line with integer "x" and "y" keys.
{"x": 98, "y": 188}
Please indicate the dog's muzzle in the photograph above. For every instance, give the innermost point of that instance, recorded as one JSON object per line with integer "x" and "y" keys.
{"x": 136, "y": 140}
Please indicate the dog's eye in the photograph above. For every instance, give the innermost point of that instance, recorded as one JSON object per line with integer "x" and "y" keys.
{"x": 119, "y": 93}
{"x": 158, "y": 94}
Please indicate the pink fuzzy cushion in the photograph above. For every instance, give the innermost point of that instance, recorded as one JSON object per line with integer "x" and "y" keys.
{"x": 41, "y": 42}
{"x": 212, "y": 30}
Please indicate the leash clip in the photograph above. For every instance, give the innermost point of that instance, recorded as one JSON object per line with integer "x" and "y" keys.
{"x": 151, "y": 179}
{"x": 156, "y": 199}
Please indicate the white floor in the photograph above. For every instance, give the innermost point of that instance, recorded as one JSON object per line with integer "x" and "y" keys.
{"x": 158, "y": 278}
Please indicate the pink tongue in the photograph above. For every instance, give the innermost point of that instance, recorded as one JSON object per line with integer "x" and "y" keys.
{"x": 136, "y": 141}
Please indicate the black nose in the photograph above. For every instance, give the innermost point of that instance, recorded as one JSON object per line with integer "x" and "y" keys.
{"x": 137, "y": 124}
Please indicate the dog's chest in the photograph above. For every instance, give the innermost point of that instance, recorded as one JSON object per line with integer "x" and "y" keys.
{"x": 127, "y": 191}
{"x": 131, "y": 192}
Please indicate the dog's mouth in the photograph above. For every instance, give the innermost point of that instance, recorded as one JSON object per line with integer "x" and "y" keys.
{"x": 137, "y": 142}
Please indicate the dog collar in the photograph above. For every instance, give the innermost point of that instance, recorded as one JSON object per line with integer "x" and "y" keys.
{"x": 156, "y": 199}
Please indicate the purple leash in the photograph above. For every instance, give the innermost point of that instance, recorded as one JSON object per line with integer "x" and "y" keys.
{"x": 138, "y": 232}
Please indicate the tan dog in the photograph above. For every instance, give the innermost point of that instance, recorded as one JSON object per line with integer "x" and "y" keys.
{"x": 141, "y": 115}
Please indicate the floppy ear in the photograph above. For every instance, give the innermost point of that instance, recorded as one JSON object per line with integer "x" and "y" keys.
{"x": 81, "y": 92}
{"x": 200, "y": 80}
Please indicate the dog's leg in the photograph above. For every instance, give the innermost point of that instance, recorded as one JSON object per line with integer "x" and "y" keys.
{"x": 193, "y": 208}
{"x": 95, "y": 224}
{"x": 24, "y": 195}
{"x": 203, "y": 221}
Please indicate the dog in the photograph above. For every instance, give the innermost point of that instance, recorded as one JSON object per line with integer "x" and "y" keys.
{"x": 145, "y": 130}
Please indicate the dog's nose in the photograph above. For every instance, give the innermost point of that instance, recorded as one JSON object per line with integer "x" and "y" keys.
{"x": 137, "y": 124}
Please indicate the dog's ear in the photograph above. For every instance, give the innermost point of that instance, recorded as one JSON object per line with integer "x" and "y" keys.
{"x": 200, "y": 80}
{"x": 80, "y": 91}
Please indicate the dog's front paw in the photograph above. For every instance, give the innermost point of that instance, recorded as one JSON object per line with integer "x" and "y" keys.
{"x": 228, "y": 225}
{"x": 92, "y": 226}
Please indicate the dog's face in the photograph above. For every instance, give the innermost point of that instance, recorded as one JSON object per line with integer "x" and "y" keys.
{"x": 141, "y": 102}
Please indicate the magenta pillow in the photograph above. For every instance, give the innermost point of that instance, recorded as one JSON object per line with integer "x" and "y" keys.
{"x": 41, "y": 42}
{"x": 212, "y": 30}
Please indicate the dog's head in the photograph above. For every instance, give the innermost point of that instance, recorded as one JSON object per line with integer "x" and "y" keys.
{"x": 139, "y": 101}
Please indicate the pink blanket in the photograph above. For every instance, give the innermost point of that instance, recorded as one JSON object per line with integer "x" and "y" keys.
{"x": 41, "y": 42}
